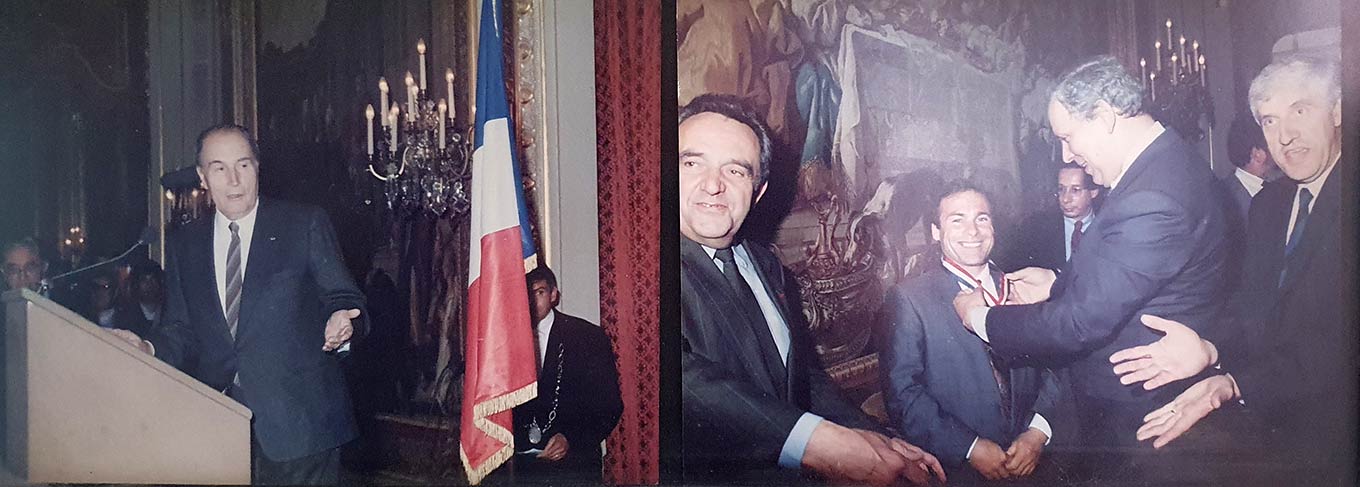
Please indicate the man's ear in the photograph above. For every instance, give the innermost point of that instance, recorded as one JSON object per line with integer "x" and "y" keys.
{"x": 556, "y": 297}
{"x": 760, "y": 192}
{"x": 1336, "y": 113}
{"x": 935, "y": 232}
{"x": 1105, "y": 113}
{"x": 202, "y": 179}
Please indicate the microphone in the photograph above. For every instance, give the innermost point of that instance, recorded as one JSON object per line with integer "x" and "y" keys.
{"x": 148, "y": 236}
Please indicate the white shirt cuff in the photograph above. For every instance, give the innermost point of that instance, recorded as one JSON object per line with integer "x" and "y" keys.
{"x": 978, "y": 318}
{"x": 343, "y": 348}
{"x": 1041, "y": 424}
{"x": 969, "y": 456}
{"x": 791, "y": 456}
{"x": 151, "y": 346}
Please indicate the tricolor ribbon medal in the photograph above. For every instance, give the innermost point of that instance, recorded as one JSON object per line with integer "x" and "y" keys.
{"x": 975, "y": 284}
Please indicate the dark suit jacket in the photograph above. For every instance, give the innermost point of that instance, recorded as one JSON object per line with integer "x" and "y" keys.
{"x": 940, "y": 389}
{"x": 1156, "y": 247}
{"x": 1296, "y": 359}
{"x": 1237, "y": 196}
{"x": 1038, "y": 242}
{"x": 588, "y": 402}
{"x": 738, "y": 408}
{"x": 294, "y": 280}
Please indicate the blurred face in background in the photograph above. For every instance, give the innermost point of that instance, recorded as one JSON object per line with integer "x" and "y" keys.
{"x": 23, "y": 269}
{"x": 1074, "y": 197}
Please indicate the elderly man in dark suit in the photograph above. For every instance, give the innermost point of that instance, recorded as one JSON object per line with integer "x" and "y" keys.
{"x": 754, "y": 396}
{"x": 945, "y": 389}
{"x": 1292, "y": 365}
{"x": 1157, "y": 247}
{"x": 559, "y": 432}
{"x": 258, "y": 302}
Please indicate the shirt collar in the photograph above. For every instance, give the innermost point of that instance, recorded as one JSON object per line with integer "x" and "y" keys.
{"x": 544, "y": 325}
{"x": 1316, "y": 186}
{"x": 1140, "y": 144}
{"x": 1085, "y": 221}
{"x": 246, "y": 222}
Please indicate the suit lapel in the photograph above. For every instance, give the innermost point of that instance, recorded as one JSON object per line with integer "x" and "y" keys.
{"x": 202, "y": 271}
{"x": 262, "y": 262}
{"x": 768, "y": 271}
{"x": 733, "y": 327}
{"x": 1316, "y": 232}
{"x": 979, "y": 373}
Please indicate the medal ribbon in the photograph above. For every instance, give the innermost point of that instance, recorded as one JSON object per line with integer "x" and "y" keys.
{"x": 974, "y": 283}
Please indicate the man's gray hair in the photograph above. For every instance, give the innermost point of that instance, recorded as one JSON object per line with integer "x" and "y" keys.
{"x": 1097, "y": 79}
{"x": 1294, "y": 68}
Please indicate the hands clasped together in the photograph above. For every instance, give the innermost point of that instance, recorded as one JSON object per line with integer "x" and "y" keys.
{"x": 1017, "y": 461}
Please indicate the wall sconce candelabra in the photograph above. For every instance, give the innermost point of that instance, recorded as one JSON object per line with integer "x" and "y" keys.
{"x": 421, "y": 160}
{"x": 1176, "y": 83}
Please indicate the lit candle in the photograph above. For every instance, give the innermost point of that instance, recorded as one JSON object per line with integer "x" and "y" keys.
{"x": 368, "y": 116}
{"x": 1168, "y": 31}
{"x": 1142, "y": 69}
{"x": 1196, "y": 53}
{"x": 1175, "y": 68}
{"x": 1201, "y": 71}
{"x": 448, "y": 84}
{"x": 1183, "y": 58}
{"x": 410, "y": 96}
{"x": 382, "y": 87}
{"x": 393, "y": 142}
{"x": 420, "y": 49}
{"x": 1157, "y": 47}
{"x": 443, "y": 107}
{"x": 1152, "y": 77}
{"x": 412, "y": 111}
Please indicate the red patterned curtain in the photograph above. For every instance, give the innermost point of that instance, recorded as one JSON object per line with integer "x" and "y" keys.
{"x": 628, "y": 119}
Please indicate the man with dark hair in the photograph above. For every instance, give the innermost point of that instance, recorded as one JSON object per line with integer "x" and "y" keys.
{"x": 1048, "y": 238}
{"x": 258, "y": 297}
{"x": 944, "y": 389}
{"x": 558, "y": 433}
{"x": 1157, "y": 248}
{"x": 1248, "y": 151}
{"x": 754, "y": 395}
{"x": 1292, "y": 361}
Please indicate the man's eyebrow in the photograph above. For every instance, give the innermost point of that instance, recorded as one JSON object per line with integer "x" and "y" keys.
{"x": 691, "y": 153}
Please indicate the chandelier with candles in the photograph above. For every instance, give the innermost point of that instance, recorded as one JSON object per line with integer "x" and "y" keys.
{"x": 1176, "y": 86}
{"x": 420, "y": 159}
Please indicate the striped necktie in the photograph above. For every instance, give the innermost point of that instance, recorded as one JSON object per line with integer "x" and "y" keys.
{"x": 234, "y": 278}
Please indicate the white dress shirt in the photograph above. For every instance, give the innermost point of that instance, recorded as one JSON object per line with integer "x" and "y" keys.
{"x": 1070, "y": 225}
{"x": 1252, "y": 182}
{"x": 543, "y": 330}
{"x": 222, "y": 242}
{"x": 1313, "y": 187}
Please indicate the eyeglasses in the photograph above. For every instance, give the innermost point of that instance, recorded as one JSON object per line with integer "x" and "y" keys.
{"x": 1061, "y": 192}
{"x": 31, "y": 268}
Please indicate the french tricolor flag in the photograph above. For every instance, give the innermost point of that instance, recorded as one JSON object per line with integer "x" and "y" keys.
{"x": 500, "y": 345}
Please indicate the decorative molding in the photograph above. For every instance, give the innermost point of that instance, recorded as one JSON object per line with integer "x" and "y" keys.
{"x": 528, "y": 86}
{"x": 243, "y": 33}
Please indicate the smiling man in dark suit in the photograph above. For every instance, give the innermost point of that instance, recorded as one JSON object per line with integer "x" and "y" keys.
{"x": 578, "y": 401}
{"x": 754, "y": 395}
{"x": 257, "y": 303}
{"x": 944, "y": 389}
{"x": 1157, "y": 247}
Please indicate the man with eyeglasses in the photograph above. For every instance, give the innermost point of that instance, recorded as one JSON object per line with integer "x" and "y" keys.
{"x": 24, "y": 265}
{"x": 1049, "y": 238}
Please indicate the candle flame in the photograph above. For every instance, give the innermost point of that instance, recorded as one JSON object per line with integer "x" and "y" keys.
{"x": 382, "y": 85}
{"x": 420, "y": 46}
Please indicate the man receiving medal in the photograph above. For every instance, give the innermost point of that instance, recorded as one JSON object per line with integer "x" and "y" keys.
{"x": 945, "y": 389}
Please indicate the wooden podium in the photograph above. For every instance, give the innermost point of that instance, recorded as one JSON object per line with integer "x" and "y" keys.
{"x": 82, "y": 406}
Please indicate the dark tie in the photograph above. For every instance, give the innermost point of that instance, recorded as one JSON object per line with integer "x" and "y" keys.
{"x": 233, "y": 311}
{"x": 999, "y": 369}
{"x": 1295, "y": 235}
{"x": 1076, "y": 237}
{"x": 759, "y": 326}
